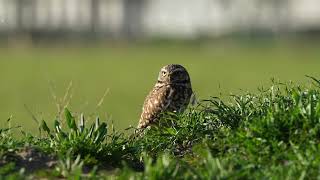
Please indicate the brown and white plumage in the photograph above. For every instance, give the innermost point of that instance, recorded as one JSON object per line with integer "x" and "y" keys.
{"x": 171, "y": 93}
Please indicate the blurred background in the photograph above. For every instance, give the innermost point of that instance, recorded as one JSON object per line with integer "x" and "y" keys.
{"x": 101, "y": 57}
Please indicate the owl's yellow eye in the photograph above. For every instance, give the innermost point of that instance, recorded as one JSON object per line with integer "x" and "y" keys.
{"x": 164, "y": 73}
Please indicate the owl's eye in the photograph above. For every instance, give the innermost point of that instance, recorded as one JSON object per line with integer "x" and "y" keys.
{"x": 164, "y": 73}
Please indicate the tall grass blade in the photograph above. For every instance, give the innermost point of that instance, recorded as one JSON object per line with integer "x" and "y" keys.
{"x": 70, "y": 120}
{"x": 81, "y": 123}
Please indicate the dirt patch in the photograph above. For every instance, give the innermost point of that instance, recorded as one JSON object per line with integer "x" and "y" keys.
{"x": 30, "y": 158}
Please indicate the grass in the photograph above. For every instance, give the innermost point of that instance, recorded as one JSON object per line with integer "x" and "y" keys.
{"x": 272, "y": 133}
{"x": 32, "y": 75}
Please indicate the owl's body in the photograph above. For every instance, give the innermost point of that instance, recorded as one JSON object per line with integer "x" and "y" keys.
{"x": 171, "y": 93}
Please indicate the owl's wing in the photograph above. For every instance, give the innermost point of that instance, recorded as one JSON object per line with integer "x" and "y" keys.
{"x": 193, "y": 99}
{"x": 156, "y": 102}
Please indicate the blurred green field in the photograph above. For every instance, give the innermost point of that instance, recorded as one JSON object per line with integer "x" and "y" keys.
{"x": 130, "y": 71}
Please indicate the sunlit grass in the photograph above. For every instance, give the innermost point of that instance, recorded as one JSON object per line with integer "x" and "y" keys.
{"x": 271, "y": 133}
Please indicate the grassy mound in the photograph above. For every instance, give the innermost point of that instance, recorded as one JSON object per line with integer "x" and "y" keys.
{"x": 271, "y": 134}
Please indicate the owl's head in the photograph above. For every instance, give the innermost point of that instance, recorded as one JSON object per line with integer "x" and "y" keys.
{"x": 173, "y": 73}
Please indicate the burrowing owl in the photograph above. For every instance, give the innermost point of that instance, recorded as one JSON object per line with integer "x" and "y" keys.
{"x": 171, "y": 93}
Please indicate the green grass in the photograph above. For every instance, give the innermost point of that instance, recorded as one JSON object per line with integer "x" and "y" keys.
{"x": 273, "y": 133}
{"x": 129, "y": 72}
